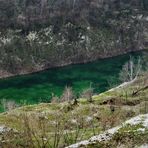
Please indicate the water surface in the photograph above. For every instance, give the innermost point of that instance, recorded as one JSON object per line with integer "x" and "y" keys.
{"x": 39, "y": 87}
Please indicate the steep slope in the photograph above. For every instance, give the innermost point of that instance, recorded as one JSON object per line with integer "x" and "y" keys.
{"x": 39, "y": 34}
{"x": 61, "y": 124}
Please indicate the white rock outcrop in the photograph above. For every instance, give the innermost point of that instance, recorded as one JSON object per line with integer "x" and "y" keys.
{"x": 107, "y": 135}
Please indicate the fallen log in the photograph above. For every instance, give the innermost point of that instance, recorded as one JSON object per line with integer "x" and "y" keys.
{"x": 141, "y": 89}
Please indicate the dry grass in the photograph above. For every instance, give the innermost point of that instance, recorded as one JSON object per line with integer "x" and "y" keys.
{"x": 60, "y": 124}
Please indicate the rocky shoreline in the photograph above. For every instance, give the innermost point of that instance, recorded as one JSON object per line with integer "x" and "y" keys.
{"x": 5, "y": 74}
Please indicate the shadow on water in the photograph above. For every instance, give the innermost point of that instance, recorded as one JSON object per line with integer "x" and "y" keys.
{"x": 39, "y": 86}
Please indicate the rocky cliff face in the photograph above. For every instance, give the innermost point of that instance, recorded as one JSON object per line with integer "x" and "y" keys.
{"x": 28, "y": 14}
{"x": 38, "y": 34}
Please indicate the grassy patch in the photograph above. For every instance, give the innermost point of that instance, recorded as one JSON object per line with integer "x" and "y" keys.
{"x": 62, "y": 124}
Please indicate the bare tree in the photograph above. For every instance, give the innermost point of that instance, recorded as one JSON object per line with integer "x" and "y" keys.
{"x": 8, "y": 104}
{"x": 145, "y": 61}
{"x": 130, "y": 70}
{"x": 88, "y": 93}
{"x": 68, "y": 94}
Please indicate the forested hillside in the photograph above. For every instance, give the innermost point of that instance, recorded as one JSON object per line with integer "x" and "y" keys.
{"x": 39, "y": 34}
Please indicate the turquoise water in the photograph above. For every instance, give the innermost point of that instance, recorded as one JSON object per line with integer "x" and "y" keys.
{"x": 38, "y": 87}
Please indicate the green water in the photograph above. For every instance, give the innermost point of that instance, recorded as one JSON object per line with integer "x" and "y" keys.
{"x": 38, "y": 87}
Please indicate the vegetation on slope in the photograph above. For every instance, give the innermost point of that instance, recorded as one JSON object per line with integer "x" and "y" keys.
{"x": 62, "y": 124}
{"x": 132, "y": 133}
{"x": 36, "y": 35}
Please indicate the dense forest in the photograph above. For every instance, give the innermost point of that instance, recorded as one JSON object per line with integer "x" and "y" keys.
{"x": 39, "y": 34}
